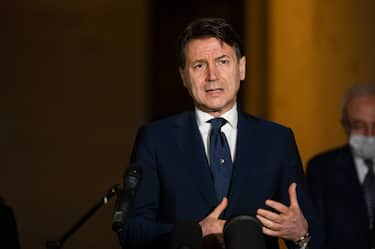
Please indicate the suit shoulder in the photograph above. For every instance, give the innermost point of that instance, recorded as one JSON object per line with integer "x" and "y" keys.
{"x": 329, "y": 160}
{"x": 167, "y": 123}
{"x": 266, "y": 125}
{"x": 329, "y": 154}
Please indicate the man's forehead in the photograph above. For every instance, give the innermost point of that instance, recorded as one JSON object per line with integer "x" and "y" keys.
{"x": 362, "y": 101}
{"x": 204, "y": 46}
{"x": 362, "y": 108}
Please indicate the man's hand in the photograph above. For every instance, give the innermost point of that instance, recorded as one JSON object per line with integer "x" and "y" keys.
{"x": 289, "y": 223}
{"x": 212, "y": 224}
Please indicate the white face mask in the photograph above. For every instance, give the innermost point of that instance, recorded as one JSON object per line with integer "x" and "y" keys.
{"x": 362, "y": 146}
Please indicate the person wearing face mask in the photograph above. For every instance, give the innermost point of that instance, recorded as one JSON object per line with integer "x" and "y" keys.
{"x": 342, "y": 180}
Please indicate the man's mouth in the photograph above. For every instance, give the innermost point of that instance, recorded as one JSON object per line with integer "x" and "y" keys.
{"x": 214, "y": 90}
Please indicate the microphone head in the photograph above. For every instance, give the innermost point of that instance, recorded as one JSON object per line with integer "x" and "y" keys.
{"x": 243, "y": 232}
{"x": 132, "y": 177}
{"x": 186, "y": 235}
{"x": 125, "y": 196}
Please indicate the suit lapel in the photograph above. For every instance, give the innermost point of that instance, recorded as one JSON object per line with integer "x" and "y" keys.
{"x": 247, "y": 156}
{"x": 348, "y": 183}
{"x": 347, "y": 171}
{"x": 191, "y": 145}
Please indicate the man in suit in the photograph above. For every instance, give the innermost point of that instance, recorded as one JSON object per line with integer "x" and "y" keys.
{"x": 342, "y": 180}
{"x": 261, "y": 175}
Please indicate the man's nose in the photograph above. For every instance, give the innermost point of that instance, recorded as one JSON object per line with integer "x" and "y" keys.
{"x": 370, "y": 131}
{"x": 211, "y": 73}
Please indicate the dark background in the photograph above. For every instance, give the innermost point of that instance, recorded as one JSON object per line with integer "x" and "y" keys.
{"x": 78, "y": 78}
{"x": 168, "y": 20}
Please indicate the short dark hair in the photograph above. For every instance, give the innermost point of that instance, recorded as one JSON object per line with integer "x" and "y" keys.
{"x": 206, "y": 28}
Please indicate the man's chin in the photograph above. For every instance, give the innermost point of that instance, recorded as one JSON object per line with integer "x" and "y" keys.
{"x": 214, "y": 111}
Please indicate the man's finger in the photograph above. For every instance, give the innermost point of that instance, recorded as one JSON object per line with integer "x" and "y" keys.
{"x": 270, "y": 232}
{"x": 293, "y": 194}
{"x": 281, "y": 208}
{"x": 269, "y": 215}
{"x": 269, "y": 223}
{"x": 220, "y": 208}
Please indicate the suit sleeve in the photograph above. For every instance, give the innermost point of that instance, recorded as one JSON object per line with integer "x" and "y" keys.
{"x": 316, "y": 189}
{"x": 142, "y": 228}
{"x": 292, "y": 171}
{"x": 314, "y": 180}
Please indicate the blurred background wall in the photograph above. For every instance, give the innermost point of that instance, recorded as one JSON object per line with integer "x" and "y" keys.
{"x": 317, "y": 49}
{"x": 73, "y": 93}
{"x": 77, "y": 79}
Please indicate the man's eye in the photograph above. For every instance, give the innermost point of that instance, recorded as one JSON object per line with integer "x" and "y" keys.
{"x": 198, "y": 66}
{"x": 357, "y": 126}
{"x": 223, "y": 61}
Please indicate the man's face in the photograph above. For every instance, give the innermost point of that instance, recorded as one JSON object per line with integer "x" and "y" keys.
{"x": 212, "y": 74}
{"x": 361, "y": 115}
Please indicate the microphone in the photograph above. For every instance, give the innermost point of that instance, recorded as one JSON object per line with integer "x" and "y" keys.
{"x": 125, "y": 197}
{"x": 243, "y": 232}
{"x": 186, "y": 235}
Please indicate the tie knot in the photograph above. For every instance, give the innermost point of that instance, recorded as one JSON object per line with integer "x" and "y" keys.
{"x": 369, "y": 163}
{"x": 217, "y": 123}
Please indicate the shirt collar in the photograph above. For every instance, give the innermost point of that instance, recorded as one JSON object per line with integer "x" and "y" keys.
{"x": 230, "y": 116}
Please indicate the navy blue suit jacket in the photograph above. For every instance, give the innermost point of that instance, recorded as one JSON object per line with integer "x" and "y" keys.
{"x": 338, "y": 196}
{"x": 177, "y": 183}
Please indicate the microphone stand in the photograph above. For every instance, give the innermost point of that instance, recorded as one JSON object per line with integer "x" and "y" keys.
{"x": 57, "y": 244}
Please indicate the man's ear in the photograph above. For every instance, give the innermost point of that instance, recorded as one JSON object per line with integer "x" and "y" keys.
{"x": 182, "y": 75}
{"x": 242, "y": 67}
{"x": 346, "y": 126}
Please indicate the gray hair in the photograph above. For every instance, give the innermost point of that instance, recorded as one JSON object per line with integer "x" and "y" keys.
{"x": 360, "y": 89}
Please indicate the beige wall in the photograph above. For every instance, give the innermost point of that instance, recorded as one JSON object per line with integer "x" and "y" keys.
{"x": 315, "y": 49}
{"x": 73, "y": 93}
{"x": 301, "y": 57}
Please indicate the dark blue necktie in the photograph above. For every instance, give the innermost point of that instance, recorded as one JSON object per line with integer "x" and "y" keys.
{"x": 220, "y": 158}
{"x": 369, "y": 191}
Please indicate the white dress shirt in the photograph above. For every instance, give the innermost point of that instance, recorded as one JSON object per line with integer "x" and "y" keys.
{"x": 229, "y": 129}
{"x": 361, "y": 168}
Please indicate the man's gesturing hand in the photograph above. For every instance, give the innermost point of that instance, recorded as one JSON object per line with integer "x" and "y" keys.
{"x": 212, "y": 224}
{"x": 289, "y": 223}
